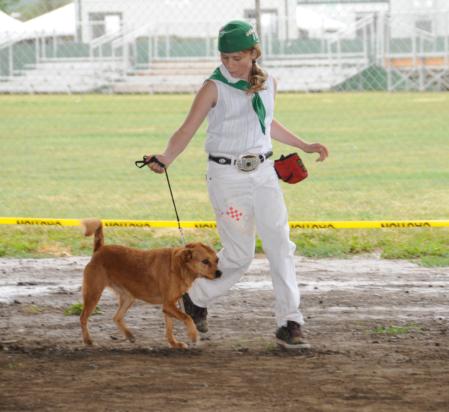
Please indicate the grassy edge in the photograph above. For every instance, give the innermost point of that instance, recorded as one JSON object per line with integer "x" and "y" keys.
{"x": 426, "y": 246}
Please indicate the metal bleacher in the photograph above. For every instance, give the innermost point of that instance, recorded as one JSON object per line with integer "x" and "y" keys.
{"x": 75, "y": 75}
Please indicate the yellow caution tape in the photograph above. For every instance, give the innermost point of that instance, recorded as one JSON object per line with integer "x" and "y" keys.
{"x": 369, "y": 224}
{"x": 348, "y": 224}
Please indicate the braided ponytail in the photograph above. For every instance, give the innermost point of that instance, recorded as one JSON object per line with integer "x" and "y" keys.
{"x": 257, "y": 76}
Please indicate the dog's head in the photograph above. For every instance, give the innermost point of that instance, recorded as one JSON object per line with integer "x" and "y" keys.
{"x": 201, "y": 260}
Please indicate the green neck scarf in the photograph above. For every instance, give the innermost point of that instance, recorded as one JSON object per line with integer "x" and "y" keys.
{"x": 257, "y": 102}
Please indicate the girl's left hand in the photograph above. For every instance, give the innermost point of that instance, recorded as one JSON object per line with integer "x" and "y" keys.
{"x": 318, "y": 148}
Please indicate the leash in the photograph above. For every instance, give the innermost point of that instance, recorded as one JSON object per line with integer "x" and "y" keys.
{"x": 153, "y": 159}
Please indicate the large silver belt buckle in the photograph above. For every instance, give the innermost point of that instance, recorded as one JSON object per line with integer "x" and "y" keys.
{"x": 248, "y": 162}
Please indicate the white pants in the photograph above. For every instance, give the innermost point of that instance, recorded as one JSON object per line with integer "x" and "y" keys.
{"x": 246, "y": 202}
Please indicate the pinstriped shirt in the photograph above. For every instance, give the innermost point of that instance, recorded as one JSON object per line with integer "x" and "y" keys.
{"x": 233, "y": 125}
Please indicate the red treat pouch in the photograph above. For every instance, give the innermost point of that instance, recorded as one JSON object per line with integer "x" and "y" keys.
{"x": 290, "y": 168}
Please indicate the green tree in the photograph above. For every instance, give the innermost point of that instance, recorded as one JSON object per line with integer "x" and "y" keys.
{"x": 40, "y": 7}
{"x": 7, "y": 5}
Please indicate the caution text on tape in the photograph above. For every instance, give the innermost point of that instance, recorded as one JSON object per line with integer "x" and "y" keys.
{"x": 349, "y": 224}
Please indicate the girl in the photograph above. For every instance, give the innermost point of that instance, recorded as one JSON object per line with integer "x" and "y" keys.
{"x": 244, "y": 190}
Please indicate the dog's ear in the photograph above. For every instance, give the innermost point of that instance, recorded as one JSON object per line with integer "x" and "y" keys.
{"x": 186, "y": 255}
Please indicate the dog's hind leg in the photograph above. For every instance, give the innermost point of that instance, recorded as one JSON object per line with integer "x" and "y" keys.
{"x": 169, "y": 334}
{"x": 125, "y": 302}
{"x": 93, "y": 287}
{"x": 171, "y": 310}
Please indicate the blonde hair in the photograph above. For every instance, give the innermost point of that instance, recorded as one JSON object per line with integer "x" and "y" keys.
{"x": 257, "y": 77}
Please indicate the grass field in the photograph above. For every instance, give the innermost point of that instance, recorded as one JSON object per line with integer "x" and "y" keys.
{"x": 72, "y": 157}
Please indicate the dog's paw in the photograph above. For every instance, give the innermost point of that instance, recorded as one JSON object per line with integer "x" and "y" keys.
{"x": 193, "y": 337}
{"x": 179, "y": 345}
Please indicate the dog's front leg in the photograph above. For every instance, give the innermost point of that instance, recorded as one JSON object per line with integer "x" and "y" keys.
{"x": 170, "y": 309}
{"x": 169, "y": 334}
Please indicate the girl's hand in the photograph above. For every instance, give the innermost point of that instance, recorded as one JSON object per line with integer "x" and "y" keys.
{"x": 318, "y": 148}
{"x": 156, "y": 167}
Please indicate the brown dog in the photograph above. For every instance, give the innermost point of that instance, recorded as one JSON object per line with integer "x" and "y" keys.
{"x": 158, "y": 276}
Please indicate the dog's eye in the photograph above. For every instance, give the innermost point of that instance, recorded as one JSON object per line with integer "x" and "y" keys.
{"x": 205, "y": 261}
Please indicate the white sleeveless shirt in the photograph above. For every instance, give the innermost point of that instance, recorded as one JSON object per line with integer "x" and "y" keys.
{"x": 234, "y": 127}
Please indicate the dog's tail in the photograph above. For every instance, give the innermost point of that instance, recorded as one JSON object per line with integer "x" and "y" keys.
{"x": 92, "y": 226}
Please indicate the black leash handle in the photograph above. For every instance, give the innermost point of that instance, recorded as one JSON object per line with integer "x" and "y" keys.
{"x": 153, "y": 159}
{"x": 147, "y": 160}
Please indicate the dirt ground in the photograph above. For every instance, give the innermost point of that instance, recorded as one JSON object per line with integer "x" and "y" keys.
{"x": 358, "y": 361}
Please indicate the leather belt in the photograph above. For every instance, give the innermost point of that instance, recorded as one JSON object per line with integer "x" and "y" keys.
{"x": 244, "y": 163}
{"x": 232, "y": 161}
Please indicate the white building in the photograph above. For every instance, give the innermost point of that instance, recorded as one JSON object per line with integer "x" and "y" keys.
{"x": 347, "y": 12}
{"x": 9, "y": 27}
{"x": 428, "y": 15}
{"x": 170, "y": 45}
{"x": 60, "y": 22}
{"x": 56, "y": 24}
{"x": 183, "y": 18}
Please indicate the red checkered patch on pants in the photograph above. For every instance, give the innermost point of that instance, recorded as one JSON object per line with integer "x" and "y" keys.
{"x": 234, "y": 213}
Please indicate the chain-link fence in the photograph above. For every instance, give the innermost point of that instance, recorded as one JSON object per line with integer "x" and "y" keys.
{"x": 170, "y": 45}
{"x": 75, "y": 112}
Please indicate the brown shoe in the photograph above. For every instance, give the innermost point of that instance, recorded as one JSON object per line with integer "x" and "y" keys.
{"x": 197, "y": 313}
{"x": 291, "y": 336}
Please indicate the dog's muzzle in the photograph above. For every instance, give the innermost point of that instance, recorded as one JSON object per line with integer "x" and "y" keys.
{"x": 218, "y": 274}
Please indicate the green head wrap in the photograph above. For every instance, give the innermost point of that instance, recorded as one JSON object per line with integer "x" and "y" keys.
{"x": 237, "y": 36}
